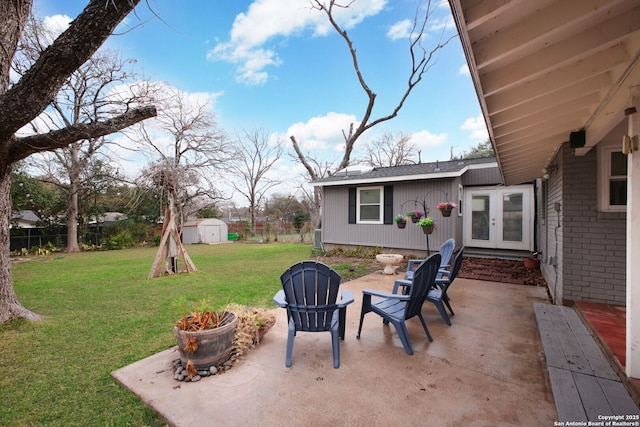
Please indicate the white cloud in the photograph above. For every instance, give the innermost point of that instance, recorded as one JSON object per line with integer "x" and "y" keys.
{"x": 56, "y": 25}
{"x": 426, "y": 139}
{"x": 400, "y": 30}
{"x": 477, "y": 127}
{"x": 441, "y": 23}
{"x": 464, "y": 70}
{"x": 266, "y": 20}
{"x": 322, "y": 132}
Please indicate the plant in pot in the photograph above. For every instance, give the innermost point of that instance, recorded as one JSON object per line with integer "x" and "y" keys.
{"x": 427, "y": 223}
{"x": 414, "y": 215}
{"x": 531, "y": 262}
{"x": 400, "y": 220}
{"x": 205, "y": 338}
{"x": 445, "y": 208}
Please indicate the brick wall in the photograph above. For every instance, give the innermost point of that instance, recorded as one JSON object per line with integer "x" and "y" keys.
{"x": 593, "y": 256}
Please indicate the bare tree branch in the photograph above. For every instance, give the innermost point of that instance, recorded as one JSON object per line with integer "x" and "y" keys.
{"x": 38, "y": 86}
{"x": 421, "y": 61}
{"x": 23, "y": 147}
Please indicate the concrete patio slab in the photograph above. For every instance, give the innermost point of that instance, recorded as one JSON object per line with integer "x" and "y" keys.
{"x": 484, "y": 370}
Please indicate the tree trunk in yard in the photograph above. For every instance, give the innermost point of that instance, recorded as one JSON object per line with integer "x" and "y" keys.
{"x": 72, "y": 209}
{"x": 10, "y": 308}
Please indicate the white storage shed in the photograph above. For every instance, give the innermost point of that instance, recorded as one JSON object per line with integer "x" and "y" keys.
{"x": 205, "y": 230}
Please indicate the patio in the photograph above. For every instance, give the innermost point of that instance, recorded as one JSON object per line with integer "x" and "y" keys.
{"x": 485, "y": 369}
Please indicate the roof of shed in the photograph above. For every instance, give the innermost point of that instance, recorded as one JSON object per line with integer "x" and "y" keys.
{"x": 204, "y": 221}
{"x": 448, "y": 169}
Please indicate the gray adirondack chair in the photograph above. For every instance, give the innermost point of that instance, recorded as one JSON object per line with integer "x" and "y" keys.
{"x": 438, "y": 294}
{"x": 309, "y": 293}
{"x": 445, "y": 251}
{"x": 396, "y": 308}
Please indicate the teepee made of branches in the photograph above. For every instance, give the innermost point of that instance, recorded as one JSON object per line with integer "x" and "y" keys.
{"x": 171, "y": 250}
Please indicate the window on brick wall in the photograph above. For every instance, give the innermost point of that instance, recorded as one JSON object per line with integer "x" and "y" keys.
{"x": 612, "y": 178}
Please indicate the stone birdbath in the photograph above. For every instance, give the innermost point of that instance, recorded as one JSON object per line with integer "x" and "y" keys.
{"x": 391, "y": 262}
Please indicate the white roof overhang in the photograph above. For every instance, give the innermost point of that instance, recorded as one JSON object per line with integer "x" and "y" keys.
{"x": 545, "y": 68}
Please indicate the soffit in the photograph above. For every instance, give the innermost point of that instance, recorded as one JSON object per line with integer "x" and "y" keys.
{"x": 543, "y": 69}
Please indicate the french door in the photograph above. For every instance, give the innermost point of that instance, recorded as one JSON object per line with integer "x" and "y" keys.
{"x": 499, "y": 218}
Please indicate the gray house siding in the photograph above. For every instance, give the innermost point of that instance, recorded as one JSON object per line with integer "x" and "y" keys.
{"x": 489, "y": 176}
{"x": 591, "y": 244}
{"x": 406, "y": 196}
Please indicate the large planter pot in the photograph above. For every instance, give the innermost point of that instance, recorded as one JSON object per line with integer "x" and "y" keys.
{"x": 427, "y": 229}
{"x": 214, "y": 345}
{"x": 531, "y": 263}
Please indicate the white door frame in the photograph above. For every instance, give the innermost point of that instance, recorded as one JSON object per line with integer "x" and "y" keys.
{"x": 495, "y": 221}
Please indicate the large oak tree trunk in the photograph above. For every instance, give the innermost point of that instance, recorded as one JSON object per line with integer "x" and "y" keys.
{"x": 10, "y": 308}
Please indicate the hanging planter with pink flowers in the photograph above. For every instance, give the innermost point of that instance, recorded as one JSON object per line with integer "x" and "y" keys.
{"x": 446, "y": 208}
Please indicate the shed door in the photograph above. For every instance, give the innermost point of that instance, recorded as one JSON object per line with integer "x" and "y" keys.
{"x": 211, "y": 234}
{"x": 499, "y": 218}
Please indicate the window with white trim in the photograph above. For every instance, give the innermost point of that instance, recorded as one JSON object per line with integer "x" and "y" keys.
{"x": 369, "y": 205}
{"x": 612, "y": 178}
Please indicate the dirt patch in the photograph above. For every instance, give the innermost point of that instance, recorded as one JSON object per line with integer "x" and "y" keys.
{"x": 488, "y": 269}
{"x": 501, "y": 270}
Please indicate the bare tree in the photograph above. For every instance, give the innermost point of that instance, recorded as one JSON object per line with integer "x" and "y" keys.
{"x": 189, "y": 147}
{"x": 185, "y": 136}
{"x": 315, "y": 169}
{"x": 103, "y": 84}
{"x": 421, "y": 61}
{"x": 389, "y": 150}
{"x": 30, "y": 96}
{"x": 91, "y": 93}
{"x": 254, "y": 158}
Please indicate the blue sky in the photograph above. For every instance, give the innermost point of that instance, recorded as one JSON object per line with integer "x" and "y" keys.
{"x": 276, "y": 64}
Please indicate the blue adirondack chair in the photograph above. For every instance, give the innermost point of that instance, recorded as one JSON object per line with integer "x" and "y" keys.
{"x": 309, "y": 293}
{"x": 445, "y": 251}
{"x": 438, "y": 294}
{"x": 397, "y": 309}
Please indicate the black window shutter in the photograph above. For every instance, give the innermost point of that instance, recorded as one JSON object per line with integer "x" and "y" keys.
{"x": 352, "y": 206}
{"x": 388, "y": 204}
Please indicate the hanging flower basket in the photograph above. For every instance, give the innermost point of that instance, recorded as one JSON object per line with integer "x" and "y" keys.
{"x": 445, "y": 208}
{"x": 427, "y": 223}
{"x": 414, "y": 215}
{"x": 400, "y": 220}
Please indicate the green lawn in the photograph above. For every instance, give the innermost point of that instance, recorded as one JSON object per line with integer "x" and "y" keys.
{"x": 102, "y": 313}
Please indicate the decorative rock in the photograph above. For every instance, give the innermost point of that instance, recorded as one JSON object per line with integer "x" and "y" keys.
{"x": 204, "y": 373}
{"x": 195, "y": 378}
{"x": 181, "y": 377}
{"x": 213, "y": 370}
